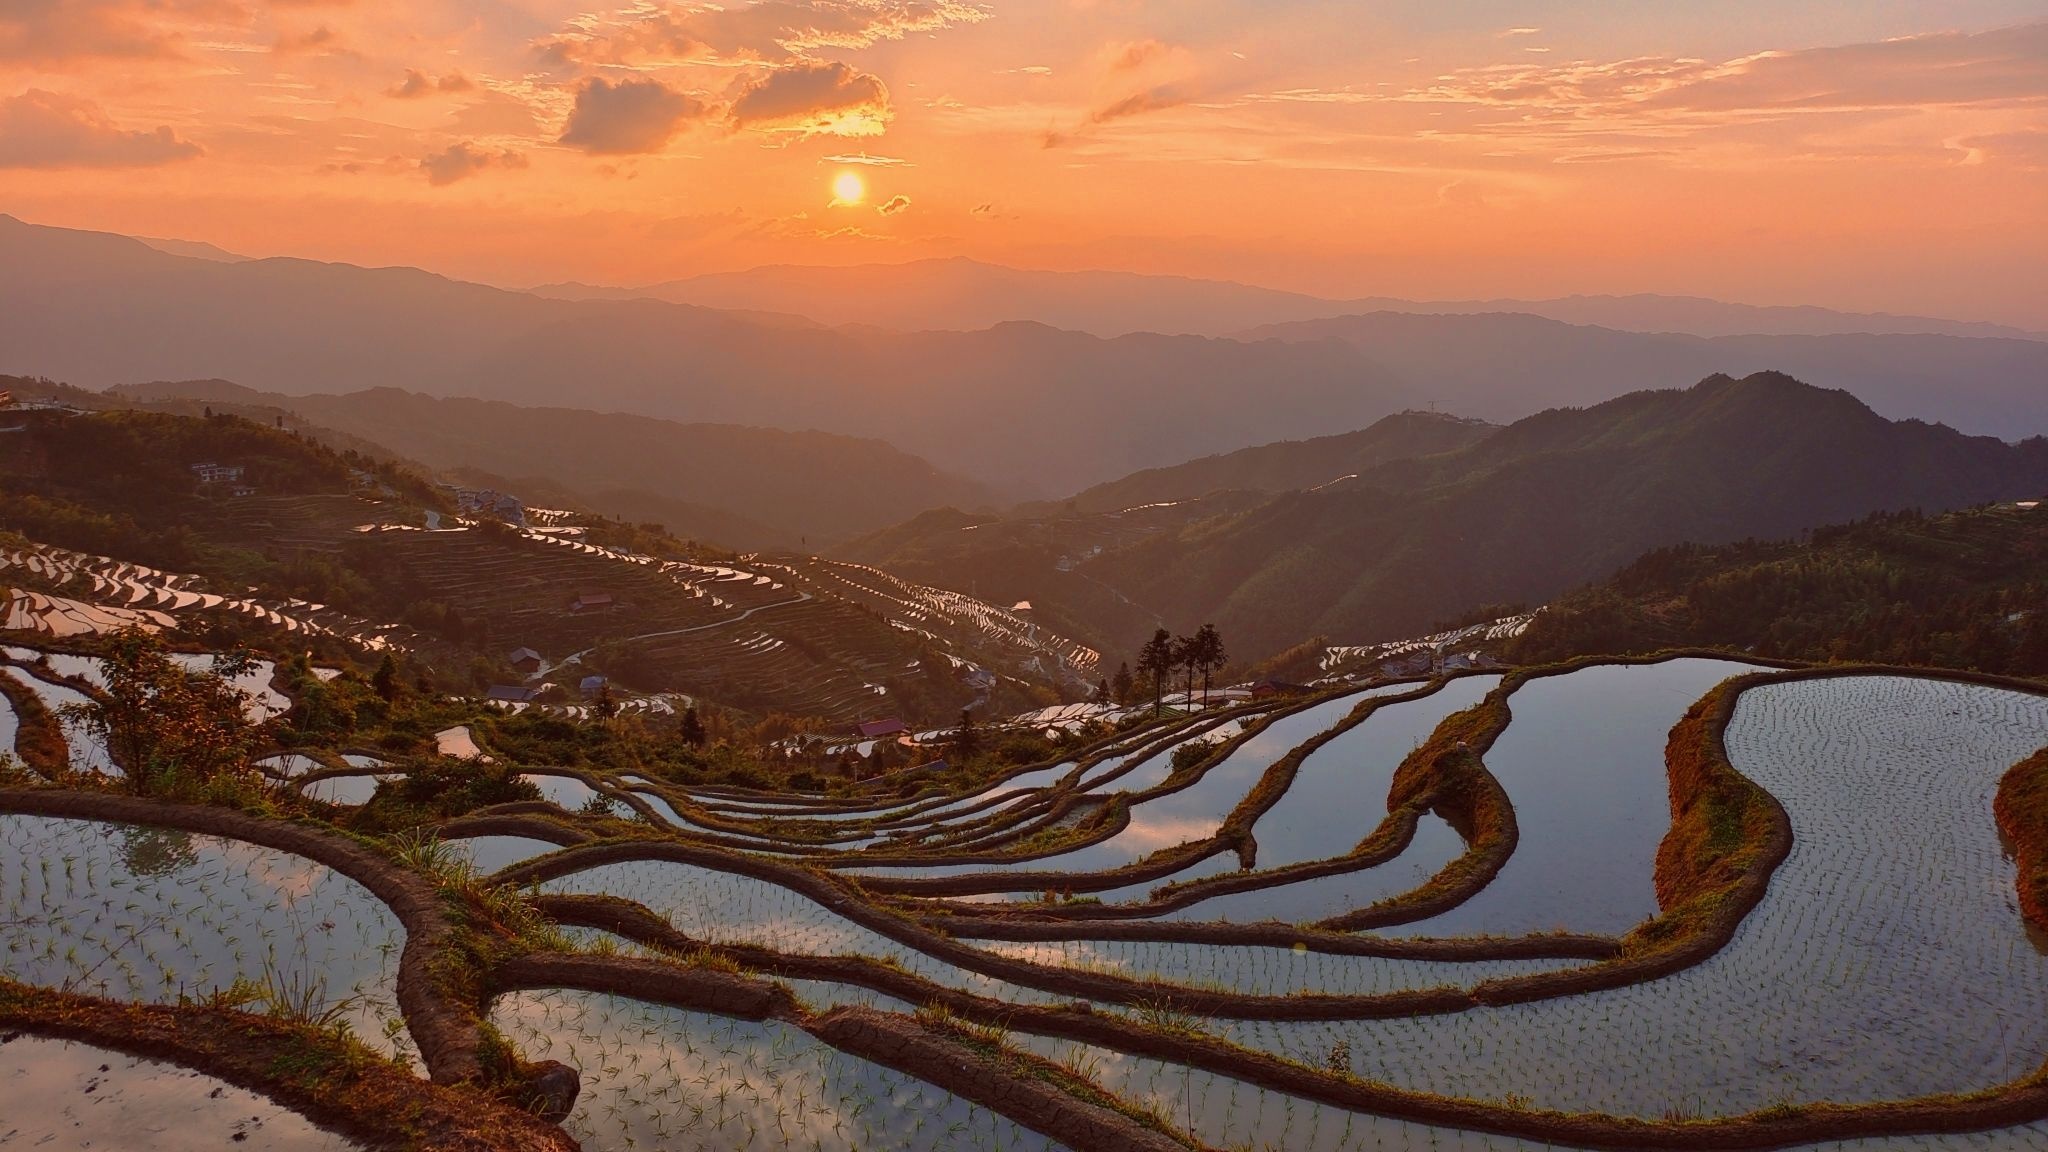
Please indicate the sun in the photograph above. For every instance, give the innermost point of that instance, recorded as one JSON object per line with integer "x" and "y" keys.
{"x": 848, "y": 188}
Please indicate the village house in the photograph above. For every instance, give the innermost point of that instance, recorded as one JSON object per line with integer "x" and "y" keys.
{"x": 211, "y": 473}
{"x": 525, "y": 661}
{"x": 879, "y": 729}
{"x": 511, "y": 694}
{"x": 1267, "y": 689}
{"x": 593, "y": 602}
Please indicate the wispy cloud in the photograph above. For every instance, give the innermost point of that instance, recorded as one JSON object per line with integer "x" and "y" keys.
{"x": 463, "y": 159}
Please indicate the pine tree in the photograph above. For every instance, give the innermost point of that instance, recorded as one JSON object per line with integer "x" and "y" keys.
{"x": 385, "y": 679}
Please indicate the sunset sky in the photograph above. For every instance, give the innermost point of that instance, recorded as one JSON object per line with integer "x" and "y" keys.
{"x": 1884, "y": 155}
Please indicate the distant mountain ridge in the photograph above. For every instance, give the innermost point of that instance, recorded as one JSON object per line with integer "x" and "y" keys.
{"x": 1020, "y": 407}
{"x": 734, "y": 486}
{"x": 961, "y": 294}
{"x": 1986, "y": 385}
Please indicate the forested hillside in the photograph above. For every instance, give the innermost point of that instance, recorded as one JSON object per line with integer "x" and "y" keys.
{"x": 1964, "y": 590}
{"x": 738, "y": 486}
{"x": 1530, "y": 511}
{"x": 1290, "y": 464}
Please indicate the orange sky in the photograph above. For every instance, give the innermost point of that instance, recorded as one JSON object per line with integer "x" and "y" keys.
{"x": 1877, "y": 156}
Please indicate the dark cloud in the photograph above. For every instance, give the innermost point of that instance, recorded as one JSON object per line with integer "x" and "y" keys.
{"x": 41, "y": 129}
{"x": 629, "y": 116}
{"x": 51, "y": 31}
{"x": 463, "y": 159}
{"x": 1150, "y": 100}
{"x": 418, "y": 83}
{"x": 815, "y": 96}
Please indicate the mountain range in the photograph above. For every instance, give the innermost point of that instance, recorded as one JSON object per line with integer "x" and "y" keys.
{"x": 962, "y": 294}
{"x": 1515, "y": 517}
{"x": 1022, "y": 408}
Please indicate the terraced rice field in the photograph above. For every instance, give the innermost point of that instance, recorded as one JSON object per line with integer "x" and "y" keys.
{"x": 60, "y": 1094}
{"x": 1502, "y": 995}
{"x": 136, "y": 913}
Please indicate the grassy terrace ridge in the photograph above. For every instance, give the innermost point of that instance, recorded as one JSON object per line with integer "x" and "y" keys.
{"x": 2022, "y": 811}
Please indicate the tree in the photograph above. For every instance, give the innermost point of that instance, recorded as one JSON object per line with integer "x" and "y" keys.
{"x": 1102, "y": 692}
{"x": 692, "y": 730}
{"x": 1184, "y": 654}
{"x": 163, "y": 723}
{"x": 1209, "y": 654}
{"x": 605, "y": 706}
{"x": 1121, "y": 685}
{"x": 1156, "y": 659}
{"x": 967, "y": 738}
{"x": 385, "y": 679}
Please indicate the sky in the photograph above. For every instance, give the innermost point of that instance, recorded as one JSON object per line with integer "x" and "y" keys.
{"x": 1882, "y": 155}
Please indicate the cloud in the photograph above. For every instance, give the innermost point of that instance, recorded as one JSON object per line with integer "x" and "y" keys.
{"x": 765, "y": 30}
{"x": 1519, "y": 32}
{"x": 893, "y": 206}
{"x": 463, "y": 159}
{"x": 418, "y": 83}
{"x": 41, "y": 129}
{"x": 1150, "y": 100}
{"x": 870, "y": 160}
{"x": 1940, "y": 69}
{"x": 52, "y": 31}
{"x": 2025, "y": 149}
{"x": 1134, "y": 55}
{"x": 630, "y": 116}
{"x": 321, "y": 41}
{"x": 819, "y": 97}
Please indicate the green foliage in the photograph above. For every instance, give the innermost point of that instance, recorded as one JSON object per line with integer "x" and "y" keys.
{"x": 1964, "y": 590}
{"x": 165, "y": 725}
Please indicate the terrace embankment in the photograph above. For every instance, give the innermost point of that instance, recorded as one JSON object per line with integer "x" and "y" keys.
{"x": 39, "y": 734}
{"x": 969, "y": 1063}
{"x": 1447, "y": 774}
{"x": 337, "y": 1084}
{"x": 2021, "y": 808}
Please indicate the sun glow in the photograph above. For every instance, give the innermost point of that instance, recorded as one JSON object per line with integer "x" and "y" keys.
{"x": 849, "y": 188}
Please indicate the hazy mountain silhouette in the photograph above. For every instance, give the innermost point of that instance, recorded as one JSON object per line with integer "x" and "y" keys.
{"x": 1500, "y": 366}
{"x": 735, "y": 486}
{"x": 1021, "y": 406}
{"x": 962, "y": 294}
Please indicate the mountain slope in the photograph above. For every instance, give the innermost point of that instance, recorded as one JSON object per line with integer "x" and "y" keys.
{"x": 1551, "y": 502}
{"x": 1290, "y": 464}
{"x": 965, "y": 294}
{"x": 738, "y": 486}
{"x": 1963, "y": 590}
